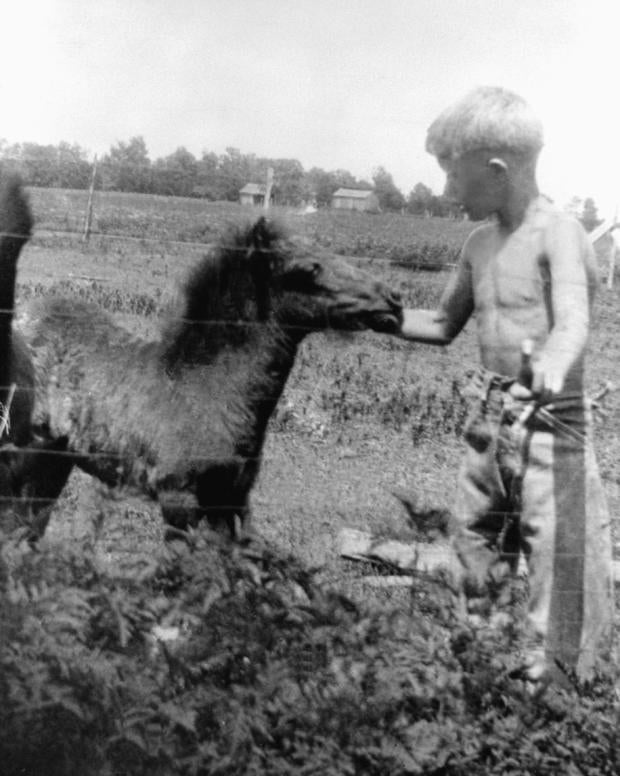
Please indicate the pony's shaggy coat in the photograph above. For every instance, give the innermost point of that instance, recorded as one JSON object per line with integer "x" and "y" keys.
{"x": 31, "y": 471}
{"x": 15, "y": 229}
{"x": 182, "y": 418}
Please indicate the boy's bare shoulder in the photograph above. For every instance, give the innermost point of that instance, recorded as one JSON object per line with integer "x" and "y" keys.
{"x": 480, "y": 237}
{"x": 549, "y": 216}
{"x": 560, "y": 229}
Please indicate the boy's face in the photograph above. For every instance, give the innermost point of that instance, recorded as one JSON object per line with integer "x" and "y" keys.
{"x": 474, "y": 183}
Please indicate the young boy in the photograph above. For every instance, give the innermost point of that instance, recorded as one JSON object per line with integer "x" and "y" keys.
{"x": 529, "y": 482}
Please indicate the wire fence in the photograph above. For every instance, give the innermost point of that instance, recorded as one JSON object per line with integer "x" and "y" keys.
{"x": 416, "y": 266}
{"x": 124, "y": 458}
{"x": 163, "y": 308}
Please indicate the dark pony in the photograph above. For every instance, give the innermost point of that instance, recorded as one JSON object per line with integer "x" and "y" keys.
{"x": 30, "y": 469}
{"x": 182, "y": 418}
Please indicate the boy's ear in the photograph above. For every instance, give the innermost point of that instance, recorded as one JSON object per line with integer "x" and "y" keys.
{"x": 498, "y": 164}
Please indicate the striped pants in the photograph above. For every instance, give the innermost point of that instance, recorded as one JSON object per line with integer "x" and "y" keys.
{"x": 534, "y": 489}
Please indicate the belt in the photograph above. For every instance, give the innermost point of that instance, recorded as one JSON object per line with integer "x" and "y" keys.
{"x": 491, "y": 389}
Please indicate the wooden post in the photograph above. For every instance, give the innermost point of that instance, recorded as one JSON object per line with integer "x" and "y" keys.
{"x": 268, "y": 187}
{"x": 614, "y": 233}
{"x": 88, "y": 218}
{"x": 612, "y": 262}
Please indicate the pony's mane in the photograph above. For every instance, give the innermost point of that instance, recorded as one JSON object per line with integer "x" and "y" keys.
{"x": 223, "y": 284}
{"x": 229, "y": 285}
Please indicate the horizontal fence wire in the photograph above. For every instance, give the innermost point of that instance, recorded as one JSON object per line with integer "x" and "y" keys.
{"x": 402, "y": 263}
{"x": 436, "y": 265}
{"x": 183, "y": 320}
{"x": 78, "y": 456}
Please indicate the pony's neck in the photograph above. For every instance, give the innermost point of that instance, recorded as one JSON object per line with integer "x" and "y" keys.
{"x": 222, "y": 308}
{"x": 267, "y": 382}
{"x": 253, "y": 371}
{"x": 197, "y": 343}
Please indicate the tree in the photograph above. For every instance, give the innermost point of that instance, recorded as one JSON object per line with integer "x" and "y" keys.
{"x": 176, "y": 174}
{"x": 419, "y": 199}
{"x": 389, "y": 196}
{"x": 344, "y": 179}
{"x": 10, "y": 153}
{"x": 234, "y": 171}
{"x": 74, "y": 167}
{"x": 444, "y": 207}
{"x": 39, "y": 164}
{"x": 290, "y": 187}
{"x": 589, "y": 216}
{"x": 322, "y": 184}
{"x": 63, "y": 166}
{"x": 206, "y": 176}
{"x": 127, "y": 167}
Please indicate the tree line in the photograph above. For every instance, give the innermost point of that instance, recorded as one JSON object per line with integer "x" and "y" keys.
{"x": 128, "y": 167}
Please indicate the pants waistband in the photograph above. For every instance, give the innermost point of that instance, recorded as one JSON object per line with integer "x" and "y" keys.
{"x": 490, "y": 393}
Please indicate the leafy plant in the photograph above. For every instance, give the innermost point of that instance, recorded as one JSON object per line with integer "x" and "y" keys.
{"x": 233, "y": 660}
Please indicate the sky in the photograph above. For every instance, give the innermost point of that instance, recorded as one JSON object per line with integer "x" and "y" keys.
{"x": 349, "y": 84}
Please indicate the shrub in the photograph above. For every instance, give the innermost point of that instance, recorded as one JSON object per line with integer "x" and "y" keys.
{"x": 268, "y": 673}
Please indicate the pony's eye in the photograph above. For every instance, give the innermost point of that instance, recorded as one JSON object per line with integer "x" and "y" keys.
{"x": 302, "y": 276}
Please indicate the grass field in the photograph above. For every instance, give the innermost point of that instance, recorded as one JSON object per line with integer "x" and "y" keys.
{"x": 362, "y": 415}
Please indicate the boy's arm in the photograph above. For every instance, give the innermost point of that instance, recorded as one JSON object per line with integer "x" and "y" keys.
{"x": 567, "y": 250}
{"x": 440, "y": 327}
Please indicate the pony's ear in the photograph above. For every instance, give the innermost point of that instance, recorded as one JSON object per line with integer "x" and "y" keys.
{"x": 259, "y": 253}
{"x": 260, "y": 235}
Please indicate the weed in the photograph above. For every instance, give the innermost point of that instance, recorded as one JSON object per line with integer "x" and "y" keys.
{"x": 234, "y": 660}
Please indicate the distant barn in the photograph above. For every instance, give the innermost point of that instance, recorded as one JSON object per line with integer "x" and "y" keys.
{"x": 355, "y": 199}
{"x": 252, "y": 194}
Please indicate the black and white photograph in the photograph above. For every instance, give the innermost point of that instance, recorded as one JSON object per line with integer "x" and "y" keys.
{"x": 310, "y": 388}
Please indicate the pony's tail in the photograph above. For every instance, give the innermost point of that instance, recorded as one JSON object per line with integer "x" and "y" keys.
{"x": 15, "y": 230}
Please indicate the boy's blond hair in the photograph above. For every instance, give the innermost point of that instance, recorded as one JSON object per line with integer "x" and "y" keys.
{"x": 488, "y": 117}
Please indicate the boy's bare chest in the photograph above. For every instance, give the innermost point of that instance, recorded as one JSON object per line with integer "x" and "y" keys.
{"x": 510, "y": 273}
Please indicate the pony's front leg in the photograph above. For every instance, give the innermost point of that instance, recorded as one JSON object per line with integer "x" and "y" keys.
{"x": 181, "y": 511}
{"x": 223, "y": 490}
{"x": 38, "y": 473}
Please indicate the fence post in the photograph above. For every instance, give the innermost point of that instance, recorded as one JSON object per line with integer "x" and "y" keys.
{"x": 88, "y": 218}
{"x": 613, "y": 250}
{"x": 268, "y": 187}
{"x": 612, "y": 264}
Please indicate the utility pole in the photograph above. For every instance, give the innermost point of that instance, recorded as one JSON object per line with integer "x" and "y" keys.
{"x": 88, "y": 218}
{"x": 268, "y": 187}
{"x": 614, "y": 247}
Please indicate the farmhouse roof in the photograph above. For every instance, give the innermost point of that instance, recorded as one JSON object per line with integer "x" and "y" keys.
{"x": 253, "y": 188}
{"x": 353, "y": 193}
